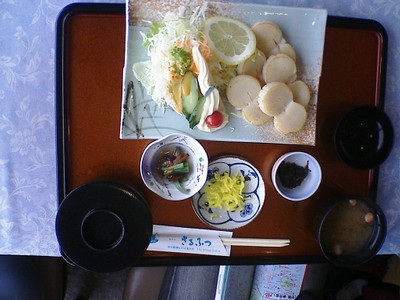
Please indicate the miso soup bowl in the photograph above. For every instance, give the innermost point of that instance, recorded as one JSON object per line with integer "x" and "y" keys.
{"x": 352, "y": 231}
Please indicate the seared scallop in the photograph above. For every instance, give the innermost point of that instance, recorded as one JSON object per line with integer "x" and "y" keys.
{"x": 241, "y": 90}
{"x": 301, "y": 92}
{"x": 292, "y": 119}
{"x": 286, "y": 48}
{"x": 274, "y": 97}
{"x": 268, "y": 36}
{"x": 253, "y": 65}
{"x": 280, "y": 68}
{"x": 254, "y": 115}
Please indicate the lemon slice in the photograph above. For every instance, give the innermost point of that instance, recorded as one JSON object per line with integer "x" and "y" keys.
{"x": 230, "y": 40}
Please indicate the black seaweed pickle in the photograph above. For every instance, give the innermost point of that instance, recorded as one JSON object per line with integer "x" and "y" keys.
{"x": 291, "y": 174}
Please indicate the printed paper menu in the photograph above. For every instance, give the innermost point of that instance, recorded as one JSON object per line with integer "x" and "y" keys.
{"x": 277, "y": 282}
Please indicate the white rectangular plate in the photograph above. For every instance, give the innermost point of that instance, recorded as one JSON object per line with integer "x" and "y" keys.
{"x": 303, "y": 28}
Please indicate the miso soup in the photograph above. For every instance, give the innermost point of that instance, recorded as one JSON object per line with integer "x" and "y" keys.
{"x": 347, "y": 228}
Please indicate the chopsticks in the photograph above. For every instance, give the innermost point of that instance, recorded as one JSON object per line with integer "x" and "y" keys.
{"x": 255, "y": 242}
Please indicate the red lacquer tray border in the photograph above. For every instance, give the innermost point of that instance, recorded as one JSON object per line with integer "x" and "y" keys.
{"x": 63, "y": 128}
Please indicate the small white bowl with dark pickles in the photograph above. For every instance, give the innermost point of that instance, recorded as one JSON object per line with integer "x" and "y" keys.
{"x": 296, "y": 176}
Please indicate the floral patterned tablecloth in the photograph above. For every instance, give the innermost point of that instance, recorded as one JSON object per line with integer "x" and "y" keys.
{"x": 28, "y": 178}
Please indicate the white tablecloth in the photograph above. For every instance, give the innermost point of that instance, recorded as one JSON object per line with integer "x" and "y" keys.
{"x": 28, "y": 179}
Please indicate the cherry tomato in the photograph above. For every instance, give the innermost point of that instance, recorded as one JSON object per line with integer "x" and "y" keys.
{"x": 215, "y": 119}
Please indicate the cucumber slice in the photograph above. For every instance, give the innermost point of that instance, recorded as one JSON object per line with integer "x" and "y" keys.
{"x": 194, "y": 117}
{"x": 190, "y": 93}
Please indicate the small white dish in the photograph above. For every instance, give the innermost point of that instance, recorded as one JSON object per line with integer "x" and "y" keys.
{"x": 310, "y": 183}
{"x": 198, "y": 162}
{"x": 254, "y": 191}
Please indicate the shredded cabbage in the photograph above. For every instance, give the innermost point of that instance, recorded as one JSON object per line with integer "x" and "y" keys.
{"x": 170, "y": 44}
{"x": 225, "y": 191}
{"x": 175, "y": 29}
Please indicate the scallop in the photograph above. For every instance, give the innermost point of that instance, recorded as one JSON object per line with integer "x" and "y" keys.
{"x": 268, "y": 36}
{"x": 241, "y": 90}
{"x": 292, "y": 119}
{"x": 286, "y": 48}
{"x": 274, "y": 97}
{"x": 253, "y": 65}
{"x": 301, "y": 92}
{"x": 279, "y": 68}
{"x": 252, "y": 114}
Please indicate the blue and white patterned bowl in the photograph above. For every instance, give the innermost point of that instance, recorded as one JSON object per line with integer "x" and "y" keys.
{"x": 198, "y": 161}
{"x": 254, "y": 191}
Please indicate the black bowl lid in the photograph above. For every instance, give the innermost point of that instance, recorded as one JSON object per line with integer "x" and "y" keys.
{"x": 103, "y": 226}
{"x": 364, "y": 137}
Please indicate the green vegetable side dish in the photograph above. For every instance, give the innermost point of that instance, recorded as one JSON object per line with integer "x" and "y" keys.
{"x": 174, "y": 166}
{"x": 225, "y": 191}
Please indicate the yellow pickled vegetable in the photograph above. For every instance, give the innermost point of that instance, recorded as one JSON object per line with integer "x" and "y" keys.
{"x": 225, "y": 191}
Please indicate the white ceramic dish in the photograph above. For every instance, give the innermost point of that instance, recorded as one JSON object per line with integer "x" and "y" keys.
{"x": 309, "y": 185}
{"x": 304, "y": 28}
{"x": 254, "y": 192}
{"x": 198, "y": 162}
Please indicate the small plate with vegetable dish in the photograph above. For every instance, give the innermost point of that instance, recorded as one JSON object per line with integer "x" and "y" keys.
{"x": 232, "y": 196}
{"x": 174, "y": 167}
{"x": 296, "y": 175}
